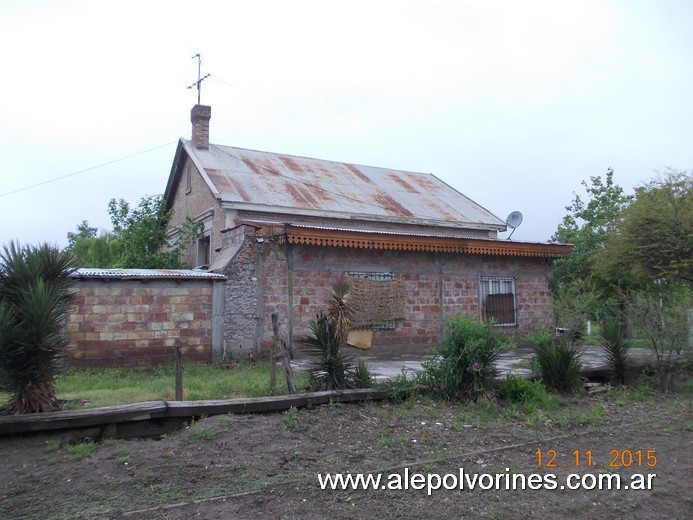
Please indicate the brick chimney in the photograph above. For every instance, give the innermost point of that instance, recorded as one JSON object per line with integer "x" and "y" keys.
{"x": 200, "y": 116}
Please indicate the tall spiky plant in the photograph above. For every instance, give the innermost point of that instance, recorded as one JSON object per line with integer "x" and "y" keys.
{"x": 34, "y": 302}
{"x": 339, "y": 311}
{"x": 617, "y": 347}
{"x": 331, "y": 368}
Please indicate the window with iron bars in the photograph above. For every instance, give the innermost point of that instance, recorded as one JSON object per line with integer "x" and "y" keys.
{"x": 386, "y": 325}
{"x": 498, "y": 297}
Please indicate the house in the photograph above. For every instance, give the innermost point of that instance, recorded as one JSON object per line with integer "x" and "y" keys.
{"x": 282, "y": 229}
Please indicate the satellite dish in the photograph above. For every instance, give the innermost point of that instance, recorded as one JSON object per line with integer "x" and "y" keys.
{"x": 514, "y": 220}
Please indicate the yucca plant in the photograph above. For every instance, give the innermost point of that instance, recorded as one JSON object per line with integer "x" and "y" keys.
{"x": 558, "y": 360}
{"x": 34, "y": 302}
{"x": 331, "y": 368}
{"x": 338, "y": 309}
{"x": 363, "y": 378}
{"x": 617, "y": 347}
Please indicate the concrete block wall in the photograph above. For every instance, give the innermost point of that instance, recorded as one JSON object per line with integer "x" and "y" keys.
{"x": 138, "y": 323}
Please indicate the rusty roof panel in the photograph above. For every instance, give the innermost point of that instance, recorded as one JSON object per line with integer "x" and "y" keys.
{"x": 269, "y": 179}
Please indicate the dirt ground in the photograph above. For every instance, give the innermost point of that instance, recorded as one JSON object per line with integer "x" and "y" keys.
{"x": 266, "y": 466}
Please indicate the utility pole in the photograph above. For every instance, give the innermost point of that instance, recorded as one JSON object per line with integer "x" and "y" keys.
{"x": 199, "y": 81}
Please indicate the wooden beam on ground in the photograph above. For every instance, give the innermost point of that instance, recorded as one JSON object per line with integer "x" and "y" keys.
{"x": 34, "y": 422}
{"x": 271, "y": 404}
{"x": 127, "y": 417}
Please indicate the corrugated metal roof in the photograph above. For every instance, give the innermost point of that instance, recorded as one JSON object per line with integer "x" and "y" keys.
{"x": 89, "y": 272}
{"x": 253, "y": 178}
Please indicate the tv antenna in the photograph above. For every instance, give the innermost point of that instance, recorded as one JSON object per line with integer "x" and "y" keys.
{"x": 514, "y": 220}
{"x": 199, "y": 81}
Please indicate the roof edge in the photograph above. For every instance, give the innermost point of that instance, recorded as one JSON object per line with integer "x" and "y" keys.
{"x": 290, "y": 211}
{"x": 144, "y": 274}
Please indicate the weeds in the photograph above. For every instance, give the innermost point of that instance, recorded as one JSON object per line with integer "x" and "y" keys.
{"x": 203, "y": 434}
{"x": 400, "y": 387}
{"x": 81, "y": 450}
{"x": 526, "y": 391}
{"x": 291, "y": 418}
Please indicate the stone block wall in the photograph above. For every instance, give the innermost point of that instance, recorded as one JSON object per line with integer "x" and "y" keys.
{"x": 243, "y": 294}
{"x": 138, "y": 323}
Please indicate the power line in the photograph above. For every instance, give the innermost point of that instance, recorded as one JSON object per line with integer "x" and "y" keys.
{"x": 55, "y": 179}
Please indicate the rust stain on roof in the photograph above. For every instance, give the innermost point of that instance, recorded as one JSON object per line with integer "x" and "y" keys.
{"x": 302, "y": 197}
{"x": 392, "y": 206}
{"x": 290, "y": 163}
{"x": 353, "y": 169}
{"x": 226, "y": 183}
{"x": 400, "y": 180}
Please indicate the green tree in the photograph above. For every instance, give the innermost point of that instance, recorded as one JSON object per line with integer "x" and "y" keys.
{"x": 139, "y": 238}
{"x": 142, "y": 231}
{"x": 588, "y": 224}
{"x": 102, "y": 251}
{"x": 34, "y": 302}
{"x": 84, "y": 230}
{"x": 654, "y": 238}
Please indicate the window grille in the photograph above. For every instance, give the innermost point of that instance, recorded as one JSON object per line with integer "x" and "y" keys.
{"x": 498, "y": 299}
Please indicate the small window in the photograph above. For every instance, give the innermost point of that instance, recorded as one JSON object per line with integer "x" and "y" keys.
{"x": 497, "y": 299}
{"x": 203, "y": 251}
{"x": 386, "y": 325}
{"x": 188, "y": 179}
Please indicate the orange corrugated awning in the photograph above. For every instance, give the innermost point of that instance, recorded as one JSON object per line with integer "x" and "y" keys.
{"x": 358, "y": 239}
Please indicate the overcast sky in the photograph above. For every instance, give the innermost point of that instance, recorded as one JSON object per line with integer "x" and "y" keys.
{"x": 513, "y": 103}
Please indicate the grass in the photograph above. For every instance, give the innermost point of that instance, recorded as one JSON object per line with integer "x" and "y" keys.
{"x": 98, "y": 387}
{"x": 87, "y": 388}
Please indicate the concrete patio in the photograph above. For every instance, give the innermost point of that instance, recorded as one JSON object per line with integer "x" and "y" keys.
{"x": 389, "y": 364}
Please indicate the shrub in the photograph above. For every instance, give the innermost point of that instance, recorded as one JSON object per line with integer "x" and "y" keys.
{"x": 465, "y": 363}
{"x": 661, "y": 316}
{"x": 617, "y": 347}
{"x": 558, "y": 360}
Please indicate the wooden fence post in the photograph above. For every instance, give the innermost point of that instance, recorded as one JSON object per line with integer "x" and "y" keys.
{"x": 284, "y": 354}
{"x": 273, "y": 353}
{"x": 179, "y": 374}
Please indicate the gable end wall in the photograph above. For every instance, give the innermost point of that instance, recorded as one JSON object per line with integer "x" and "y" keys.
{"x": 194, "y": 203}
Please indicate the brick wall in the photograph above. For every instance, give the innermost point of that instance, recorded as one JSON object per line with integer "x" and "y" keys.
{"x": 138, "y": 323}
{"x": 296, "y": 281}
